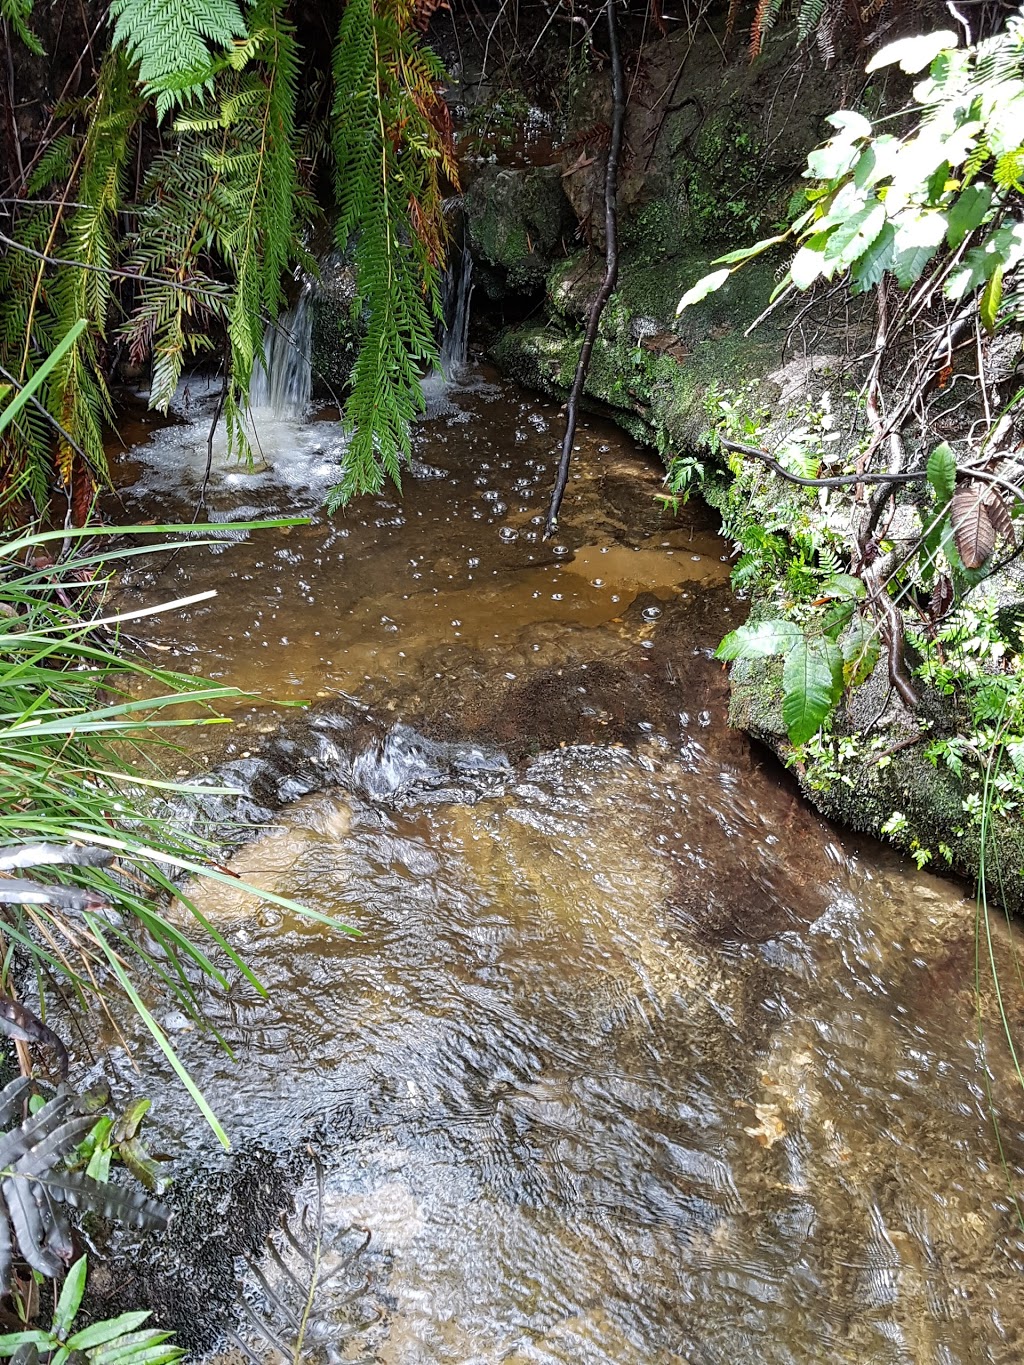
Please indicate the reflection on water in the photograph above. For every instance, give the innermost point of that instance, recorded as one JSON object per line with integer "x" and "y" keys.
{"x": 633, "y": 1060}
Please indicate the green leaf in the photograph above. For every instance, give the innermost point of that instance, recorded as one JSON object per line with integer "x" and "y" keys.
{"x": 844, "y": 585}
{"x": 876, "y": 260}
{"x": 861, "y": 649}
{"x": 760, "y": 641}
{"x": 967, "y": 212}
{"x": 13, "y": 1340}
{"x": 850, "y": 122}
{"x": 913, "y": 54}
{"x": 708, "y": 285}
{"x": 918, "y": 238}
{"x": 70, "y": 1297}
{"x": 808, "y": 694}
{"x": 838, "y": 617}
{"x": 100, "y": 1333}
{"x": 746, "y": 253}
{"x": 807, "y": 265}
{"x": 991, "y": 299}
{"x": 832, "y": 160}
{"x": 46, "y": 368}
{"x": 852, "y": 238}
{"x": 941, "y": 471}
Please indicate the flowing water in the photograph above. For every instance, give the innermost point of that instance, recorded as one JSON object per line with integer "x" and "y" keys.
{"x": 635, "y": 1059}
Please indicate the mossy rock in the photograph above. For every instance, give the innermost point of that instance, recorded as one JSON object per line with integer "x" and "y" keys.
{"x": 336, "y": 332}
{"x": 518, "y": 221}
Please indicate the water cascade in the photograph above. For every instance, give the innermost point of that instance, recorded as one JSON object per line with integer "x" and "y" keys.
{"x": 281, "y": 386}
{"x": 457, "y": 292}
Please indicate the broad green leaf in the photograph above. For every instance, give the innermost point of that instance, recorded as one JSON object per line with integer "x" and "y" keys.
{"x": 991, "y": 299}
{"x": 852, "y": 238}
{"x": 703, "y": 288}
{"x": 850, "y": 122}
{"x": 876, "y": 260}
{"x": 941, "y": 471}
{"x": 918, "y": 237}
{"x": 838, "y": 617}
{"x": 747, "y": 253}
{"x": 844, "y": 585}
{"x": 1000, "y": 250}
{"x": 913, "y": 54}
{"x": 832, "y": 160}
{"x": 99, "y": 1333}
{"x": 70, "y": 1297}
{"x": 761, "y": 641}
{"x": 807, "y": 265}
{"x": 967, "y": 212}
{"x": 808, "y": 688}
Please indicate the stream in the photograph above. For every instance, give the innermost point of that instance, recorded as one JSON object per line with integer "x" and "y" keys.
{"x": 635, "y": 1060}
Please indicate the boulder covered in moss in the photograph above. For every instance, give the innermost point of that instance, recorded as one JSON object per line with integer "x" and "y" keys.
{"x": 518, "y": 223}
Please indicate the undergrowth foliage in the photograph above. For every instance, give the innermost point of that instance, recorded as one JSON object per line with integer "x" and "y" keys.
{"x": 172, "y": 207}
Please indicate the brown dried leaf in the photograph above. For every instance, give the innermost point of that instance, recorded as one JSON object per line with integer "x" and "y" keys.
{"x": 999, "y": 514}
{"x": 942, "y": 597}
{"x": 973, "y": 531}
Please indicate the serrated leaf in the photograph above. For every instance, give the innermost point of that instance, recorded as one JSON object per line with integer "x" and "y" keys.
{"x": 860, "y": 649}
{"x": 875, "y": 261}
{"x": 807, "y": 265}
{"x": 748, "y": 252}
{"x": 941, "y": 471}
{"x": 832, "y": 160}
{"x": 761, "y": 641}
{"x": 708, "y": 285}
{"x": 844, "y": 585}
{"x": 850, "y": 122}
{"x": 913, "y": 54}
{"x": 967, "y": 212}
{"x": 999, "y": 514}
{"x": 808, "y": 687}
{"x": 918, "y": 237}
{"x": 853, "y": 237}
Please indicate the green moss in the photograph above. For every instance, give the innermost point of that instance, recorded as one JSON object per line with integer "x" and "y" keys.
{"x": 516, "y": 221}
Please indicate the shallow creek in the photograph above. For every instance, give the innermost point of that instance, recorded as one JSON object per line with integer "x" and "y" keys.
{"x": 635, "y": 1060}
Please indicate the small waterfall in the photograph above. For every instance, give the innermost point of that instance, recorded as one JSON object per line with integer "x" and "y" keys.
{"x": 457, "y": 292}
{"x": 281, "y": 386}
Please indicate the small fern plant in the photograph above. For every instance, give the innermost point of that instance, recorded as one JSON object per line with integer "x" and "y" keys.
{"x": 37, "y": 1188}
{"x": 115, "y": 1341}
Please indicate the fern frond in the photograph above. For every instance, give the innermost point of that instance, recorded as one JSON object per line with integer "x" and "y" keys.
{"x": 170, "y": 41}
{"x": 392, "y": 145}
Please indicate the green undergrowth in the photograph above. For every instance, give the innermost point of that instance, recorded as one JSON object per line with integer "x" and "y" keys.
{"x": 87, "y": 813}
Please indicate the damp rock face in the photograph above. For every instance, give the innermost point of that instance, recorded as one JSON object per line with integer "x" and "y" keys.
{"x": 519, "y": 222}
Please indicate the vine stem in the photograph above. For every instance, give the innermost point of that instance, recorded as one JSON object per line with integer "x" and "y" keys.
{"x": 611, "y": 273}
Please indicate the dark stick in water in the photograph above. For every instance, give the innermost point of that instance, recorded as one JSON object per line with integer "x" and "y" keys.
{"x": 611, "y": 251}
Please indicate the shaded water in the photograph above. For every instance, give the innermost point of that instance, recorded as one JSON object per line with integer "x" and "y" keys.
{"x": 636, "y": 1060}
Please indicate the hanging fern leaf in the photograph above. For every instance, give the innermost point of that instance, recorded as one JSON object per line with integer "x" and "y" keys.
{"x": 170, "y": 40}
{"x": 392, "y": 145}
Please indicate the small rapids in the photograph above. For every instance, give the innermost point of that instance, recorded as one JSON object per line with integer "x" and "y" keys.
{"x": 634, "y": 1060}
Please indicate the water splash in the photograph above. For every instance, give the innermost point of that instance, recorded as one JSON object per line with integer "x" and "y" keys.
{"x": 282, "y": 385}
